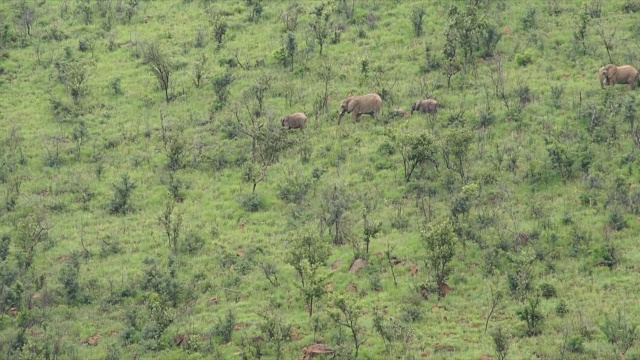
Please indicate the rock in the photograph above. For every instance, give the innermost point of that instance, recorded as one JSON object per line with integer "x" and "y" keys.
{"x": 336, "y": 265}
{"x": 313, "y": 350}
{"x": 358, "y": 265}
{"x": 352, "y": 288}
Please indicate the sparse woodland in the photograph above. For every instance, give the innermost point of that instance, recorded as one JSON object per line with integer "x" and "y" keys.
{"x": 153, "y": 206}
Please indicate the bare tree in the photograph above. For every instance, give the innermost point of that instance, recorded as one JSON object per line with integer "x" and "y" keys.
{"x": 25, "y": 16}
{"x": 608, "y": 39}
{"x": 496, "y": 72}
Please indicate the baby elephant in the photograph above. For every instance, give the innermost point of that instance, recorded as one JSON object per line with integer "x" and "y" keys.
{"x": 294, "y": 121}
{"x": 429, "y": 106}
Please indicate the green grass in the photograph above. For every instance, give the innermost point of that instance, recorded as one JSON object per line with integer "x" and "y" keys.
{"x": 521, "y": 209}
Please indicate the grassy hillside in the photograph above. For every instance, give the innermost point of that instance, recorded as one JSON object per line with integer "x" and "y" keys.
{"x": 152, "y": 206}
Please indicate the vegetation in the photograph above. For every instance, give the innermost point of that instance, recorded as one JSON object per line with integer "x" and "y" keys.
{"x": 152, "y": 206}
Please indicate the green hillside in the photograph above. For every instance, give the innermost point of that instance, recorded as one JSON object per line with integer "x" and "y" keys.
{"x": 153, "y": 207}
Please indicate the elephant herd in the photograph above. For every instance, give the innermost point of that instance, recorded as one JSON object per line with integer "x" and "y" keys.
{"x": 371, "y": 104}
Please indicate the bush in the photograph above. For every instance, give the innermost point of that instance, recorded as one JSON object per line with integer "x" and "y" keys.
{"x": 562, "y": 308}
{"x": 193, "y": 242}
{"x": 631, "y": 6}
{"x": 251, "y": 202}
{"x": 121, "y": 202}
{"x": 532, "y": 316}
{"x": 574, "y": 344}
{"x": 294, "y": 188}
{"x": 224, "y": 327}
{"x": 525, "y": 58}
{"x": 617, "y": 221}
{"x": 548, "y": 291}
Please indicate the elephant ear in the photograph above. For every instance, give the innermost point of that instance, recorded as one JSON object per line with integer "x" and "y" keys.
{"x": 351, "y": 103}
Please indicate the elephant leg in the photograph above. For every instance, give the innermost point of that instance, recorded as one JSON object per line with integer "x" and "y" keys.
{"x": 355, "y": 116}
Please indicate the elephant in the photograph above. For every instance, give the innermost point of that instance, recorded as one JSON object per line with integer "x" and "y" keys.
{"x": 612, "y": 74}
{"x": 429, "y": 106}
{"x": 370, "y": 104}
{"x": 295, "y": 121}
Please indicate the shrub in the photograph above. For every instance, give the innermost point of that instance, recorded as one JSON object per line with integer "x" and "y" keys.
{"x": 193, "y": 242}
{"x": 631, "y": 6}
{"x": 501, "y": 343}
{"x": 617, "y": 221}
{"x": 532, "y": 316}
{"x": 251, "y": 202}
{"x": 529, "y": 20}
{"x": 575, "y": 344}
{"x": 417, "y": 19}
{"x": 121, "y": 202}
{"x": 224, "y": 327}
{"x": 562, "y": 308}
{"x": 547, "y": 290}
{"x": 525, "y": 58}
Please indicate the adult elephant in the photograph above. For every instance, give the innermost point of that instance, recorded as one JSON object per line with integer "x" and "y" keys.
{"x": 370, "y": 104}
{"x": 429, "y": 106}
{"x": 612, "y": 74}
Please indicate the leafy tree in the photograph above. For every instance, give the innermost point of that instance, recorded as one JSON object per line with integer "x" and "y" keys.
{"x": 121, "y": 202}
{"x": 455, "y": 150}
{"x": 74, "y": 75}
{"x": 335, "y": 206}
{"x": 320, "y": 25}
{"x": 25, "y": 16}
{"x": 562, "y": 159}
{"x": 290, "y": 47}
{"x": 32, "y": 228}
{"x": 531, "y": 315}
{"x": 221, "y": 84}
{"x": 620, "y": 333}
{"x": 308, "y": 255}
{"x": 255, "y": 9}
{"x": 417, "y": 19}
{"x": 69, "y": 278}
{"x": 346, "y": 311}
{"x": 440, "y": 240}
{"x": 161, "y": 66}
{"x": 417, "y": 150}
{"x": 501, "y": 343}
{"x": 172, "y": 224}
{"x": 276, "y": 330}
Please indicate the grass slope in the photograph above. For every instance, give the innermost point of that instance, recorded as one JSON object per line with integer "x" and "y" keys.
{"x": 113, "y": 281}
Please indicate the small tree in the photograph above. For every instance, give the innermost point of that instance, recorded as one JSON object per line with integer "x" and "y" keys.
{"x": 531, "y": 315}
{"x": 501, "y": 343}
{"x": 172, "y": 225}
{"x": 221, "y": 84}
{"x": 455, "y": 150}
{"x": 620, "y": 333}
{"x": 121, "y": 202}
{"x": 440, "y": 241}
{"x": 25, "y": 16}
{"x": 290, "y": 47}
{"x": 199, "y": 71}
{"x": 275, "y": 329}
{"x": 416, "y": 149}
{"x": 220, "y": 28}
{"x": 335, "y": 206}
{"x": 417, "y": 19}
{"x": 346, "y": 311}
{"x": 562, "y": 159}
{"x": 320, "y": 25}
{"x": 308, "y": 255}
{"x": 161, "y": 66}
